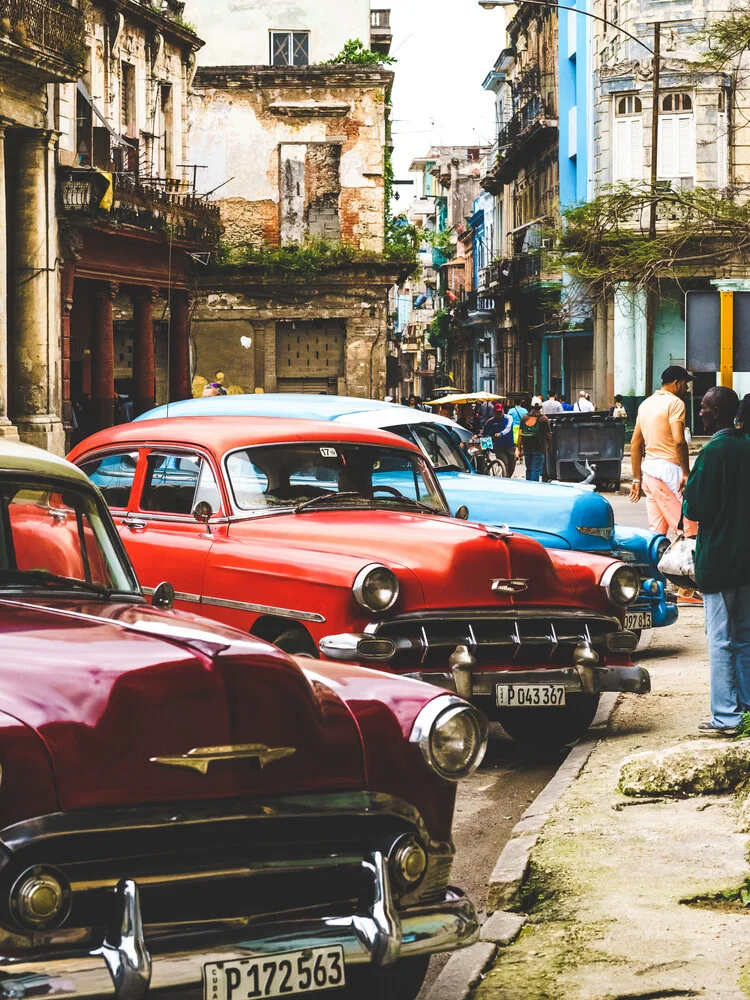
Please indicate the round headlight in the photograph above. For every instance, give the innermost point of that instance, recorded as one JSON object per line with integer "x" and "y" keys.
{"x": 660, "y": 547}
{"x": 623, "y": 585}
{"x": 40, "y": 898}
{"x": 453, "y": 737}
{"x": 376, "y": 588}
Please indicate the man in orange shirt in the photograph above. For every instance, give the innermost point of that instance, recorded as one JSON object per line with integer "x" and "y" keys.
{"x": 659, "y": 453}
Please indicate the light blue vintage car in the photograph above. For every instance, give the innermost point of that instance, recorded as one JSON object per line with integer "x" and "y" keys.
{"x": 560, "y": 516}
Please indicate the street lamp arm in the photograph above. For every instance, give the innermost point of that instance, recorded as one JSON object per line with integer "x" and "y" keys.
{"x": 586, "y": 13}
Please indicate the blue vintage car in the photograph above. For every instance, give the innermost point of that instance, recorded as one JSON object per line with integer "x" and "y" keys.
{"x": 560, "y": 516}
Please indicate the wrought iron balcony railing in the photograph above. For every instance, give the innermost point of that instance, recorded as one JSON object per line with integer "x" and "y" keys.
{"x": 54, "y": 25}
{"x": 158, "y": 206}
{"x": 531, "y": 112}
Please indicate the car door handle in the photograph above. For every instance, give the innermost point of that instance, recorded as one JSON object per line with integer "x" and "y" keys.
{"x": 134, "y": 524}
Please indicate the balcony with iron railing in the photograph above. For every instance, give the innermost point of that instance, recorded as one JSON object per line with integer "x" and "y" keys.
{"x": 165, "y": 207}
{"x": 48, "y": 35}
{"x": 531, "y": 126}
{"x": 381, "y": 35}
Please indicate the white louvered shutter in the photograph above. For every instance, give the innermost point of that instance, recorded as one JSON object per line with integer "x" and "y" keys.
{"x": 667, "y": 147}
{"x": 685, "y": 151}
{"x": 628, "y": 155}
{"x": 635, "y": 140}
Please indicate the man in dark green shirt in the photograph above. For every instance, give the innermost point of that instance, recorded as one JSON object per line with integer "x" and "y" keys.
{"x": 716, "y": 496}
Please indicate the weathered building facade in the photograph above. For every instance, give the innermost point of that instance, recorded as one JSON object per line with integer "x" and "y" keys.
{"x": 41, "y": 44}
{"x": 130, "y": 216}
{"x": 297, "y": 155}
{"x": 702, "y": 142}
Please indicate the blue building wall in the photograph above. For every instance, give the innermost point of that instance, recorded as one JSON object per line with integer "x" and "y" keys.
{"x": 575, "y": 103}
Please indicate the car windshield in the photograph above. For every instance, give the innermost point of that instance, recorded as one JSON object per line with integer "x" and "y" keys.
{"x": 59, "y": 539}
{"x": 440, "y": 446}
{"x": 311, "y": 475}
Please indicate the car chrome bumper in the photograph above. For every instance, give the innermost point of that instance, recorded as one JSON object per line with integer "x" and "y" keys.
{"x": 634, "y": 680}
{"x": 128, "y": 965}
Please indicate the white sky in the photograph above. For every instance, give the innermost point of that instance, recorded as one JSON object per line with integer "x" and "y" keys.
{"x": 445, "y": 49}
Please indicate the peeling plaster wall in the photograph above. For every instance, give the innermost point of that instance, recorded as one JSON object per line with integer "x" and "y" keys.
{"x": 237, "y": 32}
{"x": 279, "y": 158}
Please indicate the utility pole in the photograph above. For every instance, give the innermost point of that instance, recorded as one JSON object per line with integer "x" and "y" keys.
{"x": 655, "y": 129}
{"x": 652, "y": 304}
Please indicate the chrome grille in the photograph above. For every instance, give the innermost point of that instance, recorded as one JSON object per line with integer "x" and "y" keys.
{"x": 515, "y": 637}
{"x": 277, "y": 859}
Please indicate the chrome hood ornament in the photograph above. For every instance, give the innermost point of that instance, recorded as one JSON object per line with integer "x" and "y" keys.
{"x": 509, "y": 586}
{"x": 201, "y": 758}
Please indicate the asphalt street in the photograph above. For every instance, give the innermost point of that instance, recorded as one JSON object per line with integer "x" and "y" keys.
{"x": 493, "y": 800}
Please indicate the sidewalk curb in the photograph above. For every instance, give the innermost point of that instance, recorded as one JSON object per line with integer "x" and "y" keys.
{"x": 464, "y": 968}
{"x": 513, "y": 862}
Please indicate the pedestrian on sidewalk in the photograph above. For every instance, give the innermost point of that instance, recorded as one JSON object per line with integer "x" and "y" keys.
{"x": 716, "y": 497}
{"x": 534, "y": 441}
{"x": 500, "y": 429}
{"x": 552, "y": 405}
{"x": 659, "y": 453}
{"x": 618, "y": 410}
{"x": 583, "y": 403}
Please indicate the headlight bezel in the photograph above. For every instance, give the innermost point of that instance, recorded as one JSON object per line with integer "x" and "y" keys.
{"x": 611, "y": 582}
{"x": 442, "y": 709}
{"x": 360, "y": 582}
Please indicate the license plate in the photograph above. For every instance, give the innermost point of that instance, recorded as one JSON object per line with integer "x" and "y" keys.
{"x": 288, "y": 974}
{"x": 639, "y": 620}
{"x": 530, "y": 695}
{"x": 486, "y": 443}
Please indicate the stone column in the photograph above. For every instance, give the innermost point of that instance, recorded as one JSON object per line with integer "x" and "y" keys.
{"x": 144, "y": 366}
{"x": 7, "y": 430}
{"x": 180, "y": 385}
{"x": 35, "y": 358}
{"x": 601, "y": 396}
{"x": 103, "y": 355}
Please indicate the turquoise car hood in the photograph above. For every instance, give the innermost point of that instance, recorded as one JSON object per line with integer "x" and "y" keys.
{"x": 555, "y": 511}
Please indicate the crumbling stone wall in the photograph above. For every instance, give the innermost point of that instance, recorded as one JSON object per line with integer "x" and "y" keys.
{"x": 302, "y": 149}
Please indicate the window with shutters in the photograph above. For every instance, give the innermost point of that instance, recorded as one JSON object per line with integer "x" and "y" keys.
{"x": 290, "y": 48}
{"x": 628, "y": 138}
{"x": 676, "y": 137}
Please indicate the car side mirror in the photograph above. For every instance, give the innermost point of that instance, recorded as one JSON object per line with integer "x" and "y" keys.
{"x": 203, "y": 512}
{"x": 462, "y": 514}
{"x": 164, "y": 597}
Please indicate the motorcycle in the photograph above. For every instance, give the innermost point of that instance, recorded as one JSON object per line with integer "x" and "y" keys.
{"x": 486, "y": 461}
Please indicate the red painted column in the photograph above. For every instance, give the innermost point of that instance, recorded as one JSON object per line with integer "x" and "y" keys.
{"x": 144, "y": 365}
{"x": 180, "y": 385}
{"x": 103, "y": 355}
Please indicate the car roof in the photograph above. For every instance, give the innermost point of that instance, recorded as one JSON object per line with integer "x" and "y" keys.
{"x": 224, "y": 434}
{"x": 25, "y": 458}
{"x": 365, "y": 412}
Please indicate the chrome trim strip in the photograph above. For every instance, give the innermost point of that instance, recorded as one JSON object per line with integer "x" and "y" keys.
{"x": 260, "y": 609}
{"x": 185, "y": 598}
{"x": 496, "y": 614}
{"x": 263, "y": 609}
{"x": 74, "y": 824}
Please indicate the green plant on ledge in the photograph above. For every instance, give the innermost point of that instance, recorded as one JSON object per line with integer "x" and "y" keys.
{"x": 355, "y": 53}
{"x": 305, "y": 260}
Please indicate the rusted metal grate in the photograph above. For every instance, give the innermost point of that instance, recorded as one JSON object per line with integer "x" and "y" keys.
{"x": 55, "y": 25}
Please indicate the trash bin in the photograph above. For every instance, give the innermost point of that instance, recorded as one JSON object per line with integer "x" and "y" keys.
{"x": 587, "y": 448}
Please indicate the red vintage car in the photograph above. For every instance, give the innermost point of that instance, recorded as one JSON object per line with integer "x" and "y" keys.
{"x": 187, "y": 808}
{"x": 322, "y": 536}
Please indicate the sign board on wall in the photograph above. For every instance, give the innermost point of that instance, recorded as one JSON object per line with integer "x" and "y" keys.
{"x": 703, "y": 331}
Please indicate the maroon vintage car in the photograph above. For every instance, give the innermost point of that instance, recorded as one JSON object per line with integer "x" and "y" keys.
{"x": 186, "y": 808}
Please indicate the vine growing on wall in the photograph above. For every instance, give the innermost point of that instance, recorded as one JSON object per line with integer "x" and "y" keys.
{"x": 309, "y": 259}
{"x": 606, "y": 241}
